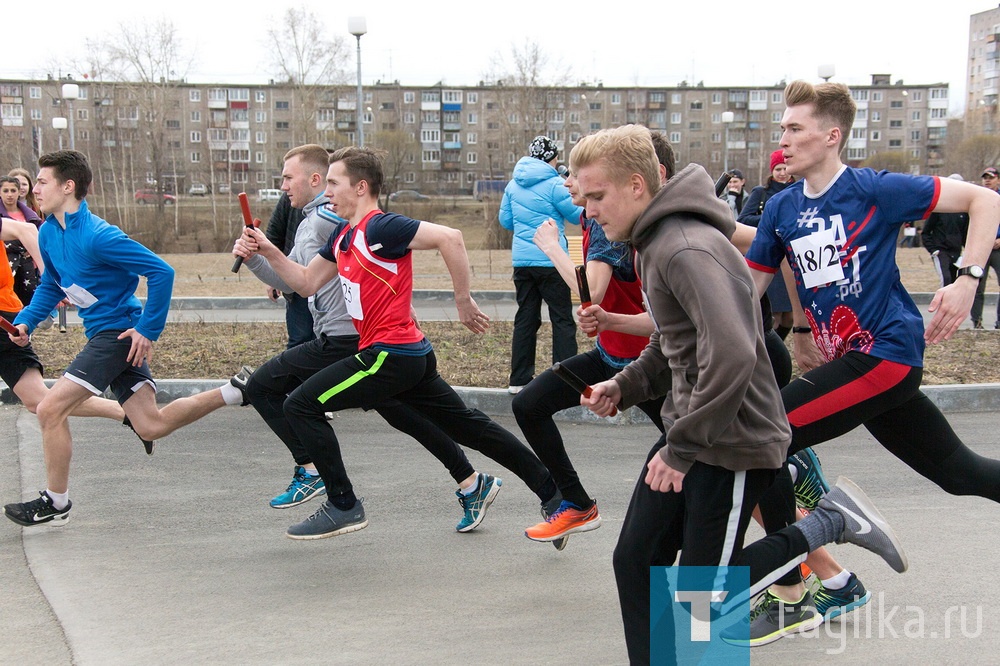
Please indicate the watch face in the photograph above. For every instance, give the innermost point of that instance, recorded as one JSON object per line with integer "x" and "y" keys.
{"x": 972, "y": 271}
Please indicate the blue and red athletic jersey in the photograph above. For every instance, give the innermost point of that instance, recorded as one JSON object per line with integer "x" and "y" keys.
{"x": 841, "y": 245}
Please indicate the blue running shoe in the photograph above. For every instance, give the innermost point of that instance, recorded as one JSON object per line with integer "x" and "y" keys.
{"x": 302, "y": 489}
{"x": 833, "y": 603}
{"x": 475, "y": 504}
{"x": 810, "y": 484}
{"x": 330, "y": 521}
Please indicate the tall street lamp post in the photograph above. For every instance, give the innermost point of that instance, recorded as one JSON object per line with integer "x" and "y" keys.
{"x": 357, "y": 27}
{"x": 70, "y": 93}
{"x": 727, "y": 120}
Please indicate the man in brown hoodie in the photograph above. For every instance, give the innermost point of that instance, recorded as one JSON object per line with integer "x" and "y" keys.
{"x": 729, "y": 434}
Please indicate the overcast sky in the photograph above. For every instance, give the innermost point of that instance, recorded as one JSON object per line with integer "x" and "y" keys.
{"x": 644, "y": 43}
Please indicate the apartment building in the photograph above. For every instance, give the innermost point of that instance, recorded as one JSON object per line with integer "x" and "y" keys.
{"x": 439, "y": 140}
{"x": 983, "y": 71}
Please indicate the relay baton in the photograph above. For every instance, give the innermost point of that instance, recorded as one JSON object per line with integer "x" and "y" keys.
{"x": 575, "y": 382}
{"x": 247, "y": 222}
{"x": 584, "y": 287}
{"x": 62, "y": 318}
{"x": 9, "y": 327}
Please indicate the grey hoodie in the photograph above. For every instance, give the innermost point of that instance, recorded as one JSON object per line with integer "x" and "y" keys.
{"x": 327, "y": 306}
{"x": 708, "y": 348}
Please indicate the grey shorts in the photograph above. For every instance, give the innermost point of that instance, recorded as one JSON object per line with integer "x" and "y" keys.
{"x": 102, "y": 364}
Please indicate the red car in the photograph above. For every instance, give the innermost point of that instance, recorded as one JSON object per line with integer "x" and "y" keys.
{"x": 149, "y": 197}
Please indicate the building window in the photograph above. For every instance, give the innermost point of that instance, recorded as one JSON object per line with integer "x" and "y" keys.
{"x": 896, "y": 104}
{"x": 859, "y": 95}
{"x": 895, "y": 124}
{"x": 194, "y": 95}
{"x": 696, "y": 105}
{"x": 716, "y": 137}
{"x": 240, "y": 177}
{"x": 261, "y": 177}
{"x": 939, "y": 93}
{"x": 472, "y": 118}
{"x": 195, "y": 157}
{"x": 694, "y": 125}
{"x": 34, "y": 92}
{"x": 776, "y": 116}
{"x": 877, "y": 96}
{"x": 430, "y": 136}
{"x": 616, "y": 98}
{"x": 675, "y": 137}
{"x": 171, "y": 124}
{"x": 260, "y": 116}
{"x": 471, "y": 137}
{"x": 675, "y": 118}
{"x": 218, "y": 134}
{"x": 472, "y": 158}
{"x": 281, "y": 106}
{"x": 260, "y": 96}
{"x": 675, "y": 98}
{"x": 917, "y": 95}
{"x": 776, "y": 136}
{"x": 876, "y": 116}
{"x": 409, "y": 98}
{"x": 876, "y": 135}
{"x": 281, "y": 125}
{"x": 430, "y": 156}
{"x": 777, "y": 97}
{"x": 859, "y": 133}
{"x": 895, "y": 143}
{"x": 716, "y": 98}
{"x": 260, "y": 137}
{"x": 196, "y": 116}
{"x": 472, "y": 98}
{"x": 856, "y": 153}
{"x": 258, "y": 157}
{"x": 195, "y": 137}
{"x": 915, "y": 116}
{"x": 915, "y": 153}
{"x": 915, "y": 135}
{"x": 36, "y": 114}
{"x": 409, "y": 118}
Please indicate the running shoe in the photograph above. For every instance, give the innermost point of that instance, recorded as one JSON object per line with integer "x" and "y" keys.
{"x": 329, "y": 521}
{"x": 475, "y": 504}
{"x": 833, "y": 603}
{"x": 864, "y": 525}
{"x": 771, "y": 619}
{"x": 38, "y": 512}
{"x": 810, "y": 484}
{"x": 240, "y": 381}
{"x": 302, "y": 489}
{"x": 567, "y": 519}
{"x": 149, "y": 445}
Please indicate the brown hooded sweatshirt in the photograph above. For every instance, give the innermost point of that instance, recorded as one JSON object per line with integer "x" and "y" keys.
{"x": 708, "y": 348}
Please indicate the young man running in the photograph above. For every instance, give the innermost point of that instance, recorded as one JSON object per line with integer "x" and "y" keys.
{"x": 267, "y": 388}
{"x": 837, "y": 228}
{"x": 97, "y": 267}
{"x": 373, "y": 259}
{"x": 729, "y": 434}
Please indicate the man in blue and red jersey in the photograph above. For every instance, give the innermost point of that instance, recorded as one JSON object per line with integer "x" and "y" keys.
{"x": 373, "y": 259}
{"x": 837, "y": 227}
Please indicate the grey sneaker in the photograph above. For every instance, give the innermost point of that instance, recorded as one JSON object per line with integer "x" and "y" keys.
{"x": 550, "y": 507}
{"x": 864, "y": 525}
{"x": 240, "y": 381}
{"x": 330, "y": 521}
{"x": 771, "y": 619}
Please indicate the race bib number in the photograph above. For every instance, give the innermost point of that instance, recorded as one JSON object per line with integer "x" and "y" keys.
{"x": 818, "y": 258}
{"x": 352, "y": 298}
{"x": 79, "y": 296}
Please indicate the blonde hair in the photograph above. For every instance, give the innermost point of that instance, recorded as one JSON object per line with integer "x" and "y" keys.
{"x": 832, "y": 104}
{"x": 624, "y": 151}
{"x": 312, "y": 155}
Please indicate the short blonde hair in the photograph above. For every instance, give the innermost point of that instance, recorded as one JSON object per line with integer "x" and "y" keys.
{"x": 624, "y": 150}
{"x": 313, "y": 156}
{"x": 832, "y": 104}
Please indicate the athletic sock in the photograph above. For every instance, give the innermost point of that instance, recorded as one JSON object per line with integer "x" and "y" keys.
{"x": 59, "y": 500}
{"x": 472, "y": 488}
{"x": 231, "y": 395}
{"x": 821, "y": 527}
{"x": 837, "y": 582}
{"x": 794, "y": 472}
{"x": 310, "y": 469}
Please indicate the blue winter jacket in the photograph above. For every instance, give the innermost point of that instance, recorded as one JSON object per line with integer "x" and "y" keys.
{"x": 535, "y": 194}
{"x": 97, "y": 266}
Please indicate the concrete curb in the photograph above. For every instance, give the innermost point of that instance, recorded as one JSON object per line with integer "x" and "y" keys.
{"x": 496, "y": 402}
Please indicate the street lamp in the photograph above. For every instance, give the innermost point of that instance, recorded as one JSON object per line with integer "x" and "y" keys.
{"x": 71, "y": 92}
{"x": 59, "y": 124}
{"x": 727, "y": 120}
{"x": 357, "y": 27}
{"x": 826, "y": 72}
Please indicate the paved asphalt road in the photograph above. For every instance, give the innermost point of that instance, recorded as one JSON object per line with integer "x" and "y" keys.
{"x": 177, "y": 559}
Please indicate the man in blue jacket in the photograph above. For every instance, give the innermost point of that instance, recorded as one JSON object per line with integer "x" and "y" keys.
{"x": 97, "y": 267}
{"x": 536, "y": 194}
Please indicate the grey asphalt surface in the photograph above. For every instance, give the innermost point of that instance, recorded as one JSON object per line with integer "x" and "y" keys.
{"x": 177, "y": 559}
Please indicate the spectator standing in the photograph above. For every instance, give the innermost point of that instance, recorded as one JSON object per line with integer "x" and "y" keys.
{"x": 943, "y": 237}
{"x": 536, "y": 194}
{"x": 991, "y": 180}
{"x": 26, "y": 274}
{"x": 735, "y": 195}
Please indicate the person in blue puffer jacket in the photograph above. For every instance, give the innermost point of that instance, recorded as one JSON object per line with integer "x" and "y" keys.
{"x": 534, "y": 195}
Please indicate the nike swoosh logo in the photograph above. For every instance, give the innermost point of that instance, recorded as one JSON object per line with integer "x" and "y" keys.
{"x": 36, "y": 518}
{"x": 866, "y": 527}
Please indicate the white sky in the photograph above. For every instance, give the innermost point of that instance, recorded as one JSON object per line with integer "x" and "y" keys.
{"x": 645, "y": 43}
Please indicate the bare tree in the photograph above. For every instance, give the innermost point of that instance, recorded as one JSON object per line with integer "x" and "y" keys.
{"x": 305, "y": 56}
{"x": 974, "y": 154}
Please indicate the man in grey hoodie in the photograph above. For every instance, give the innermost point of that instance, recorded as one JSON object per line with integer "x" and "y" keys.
{"x": 729, "y": 433}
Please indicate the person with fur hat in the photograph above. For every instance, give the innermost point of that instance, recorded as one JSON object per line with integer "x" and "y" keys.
{"x": 536, "y": 194}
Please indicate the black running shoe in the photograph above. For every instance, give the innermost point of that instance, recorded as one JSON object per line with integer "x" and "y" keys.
{"x": 38, "y": 512}
{"x": 150, "y": 445}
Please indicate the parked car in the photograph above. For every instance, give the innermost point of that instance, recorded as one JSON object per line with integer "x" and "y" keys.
{"x": 268, "y": 195}
{"x": 408, "y": 195}
{"x": 198, "y": 190}
{"x": 149, "y": 197}
{"x": 222, "y": 188}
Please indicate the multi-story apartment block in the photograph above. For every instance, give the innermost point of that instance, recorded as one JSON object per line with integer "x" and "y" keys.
{"x": 437, "y": 139}
{"x": 984, "y": 72}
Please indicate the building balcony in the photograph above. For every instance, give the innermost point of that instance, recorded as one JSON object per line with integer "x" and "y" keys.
{"x": 451, "y": 166}
{"x": 656, "y": 106}
{"x": 430, "y": 106}
{"x": 452, "y": 127}
{"x": 345, "y": 125}
{"x": 217, "y": 104}
{"x": 451, "y": 107}
{"x": 452, "y": 145}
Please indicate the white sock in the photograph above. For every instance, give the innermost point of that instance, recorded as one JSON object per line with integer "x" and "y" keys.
{"x": 310, "y": 469}
{"x": 231, "y": 395}
{"x": 838, "y": 581}
{"x": 471, "y": 489}
{"x": 794, "y": 471}
{"x": 59, "y": 500}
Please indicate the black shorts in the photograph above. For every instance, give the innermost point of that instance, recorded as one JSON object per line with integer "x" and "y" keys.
{"x": 102, "y": 364}
{"x": 15, "y": 360}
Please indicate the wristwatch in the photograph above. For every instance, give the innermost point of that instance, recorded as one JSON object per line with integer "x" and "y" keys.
{"x": 971, "y": 271}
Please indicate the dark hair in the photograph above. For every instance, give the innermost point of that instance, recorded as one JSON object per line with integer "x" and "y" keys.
{"x": 69, "y": 165}
{"x": 11, "y": 179}
{"x": 361, "y": 164}
{"x": 664, "y": 152}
